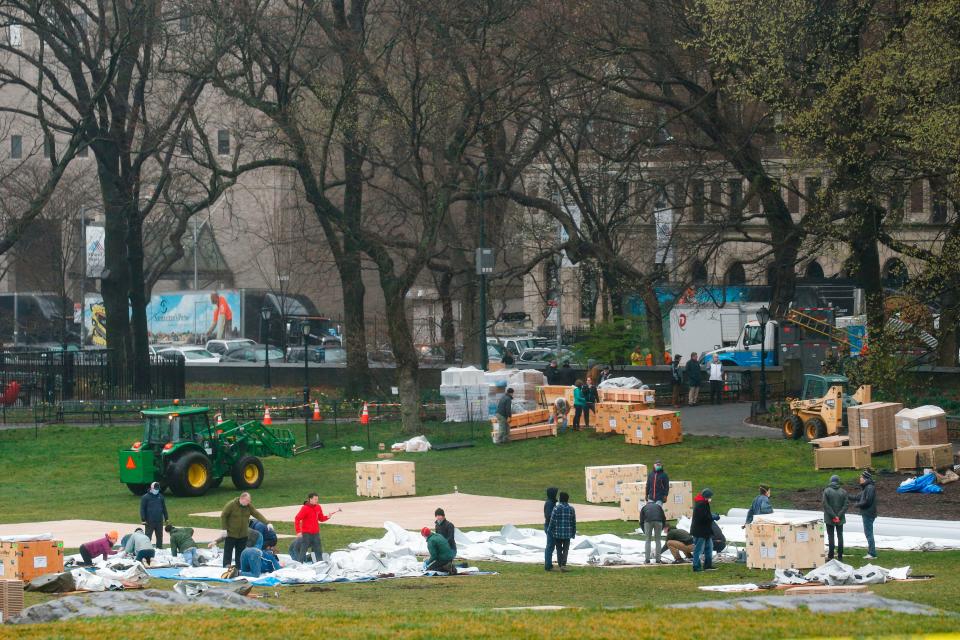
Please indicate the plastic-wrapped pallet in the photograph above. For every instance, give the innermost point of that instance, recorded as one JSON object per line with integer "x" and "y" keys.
{"x": 464, "y": 404}
{"x": 461, "y": 377}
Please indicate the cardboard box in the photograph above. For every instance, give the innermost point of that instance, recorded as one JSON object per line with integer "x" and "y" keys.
{"x": 841, "y": 457}
{"x": 931, "y": 456}
{"x": 386, "y": 479}
{"x": 604, "y": 483}
{"x": 653, "y": 427}
{"x": 874, "y": 425}
{"x": 612, "y": 417}
{"x": 11, "y": 599}
{"x": 785, "y": 546}
{"x": 27, "y": 560}
{"x": 921, "y": 426}
{"x": 679, "y": 501}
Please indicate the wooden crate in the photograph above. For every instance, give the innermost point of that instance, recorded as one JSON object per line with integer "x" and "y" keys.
{"x": 11, "y": 599}
{"x": 528, "y": 432}
{"x": 931, "y": 456}
{"x": 635, "y": 396}
{"x": 611, "y": 417}
{"x": 529, "y": 417}
{"x": 653, "y": 427}
{"x": 921, "y": 426}
{"x": 679, "y": 501}
{"x": 27, "y": 560}
{"x": 873, "y": 425}
{"x": 831, "y": 441}
{"x": 785, "y": 546}
{"x": 604, "y": 483}
{"x": 841, "y": 457}
{"x": 386, "y": 478}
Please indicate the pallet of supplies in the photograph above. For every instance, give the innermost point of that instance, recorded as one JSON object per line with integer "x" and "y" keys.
{"x": 386, "y": 479}
{"x": 679, "y": 502}
{"x": 633, "y": 396}
{"x": 653, "y": 427}
{"x": 611, "y": 417}
{"x": 27, "y": 559}
{"x": 921, "y": 426}
{"x": 604, "y": 483}
{"x": 841, "y": 457}
{"x": 930, "y": 456}
{"x": 779, "y": 543}
{"x": 874, "y": 425}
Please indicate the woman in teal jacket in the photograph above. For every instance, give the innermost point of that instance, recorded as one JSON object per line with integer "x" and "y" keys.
{"x": 580, "y": 406}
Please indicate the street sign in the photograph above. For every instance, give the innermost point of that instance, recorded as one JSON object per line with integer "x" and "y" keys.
{"x": 484, "y": 261}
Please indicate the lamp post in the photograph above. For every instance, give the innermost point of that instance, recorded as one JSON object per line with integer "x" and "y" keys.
{"x": 305, "y": 329}
{"x": 763, "y": 316}
{"x": 265, "y": 313}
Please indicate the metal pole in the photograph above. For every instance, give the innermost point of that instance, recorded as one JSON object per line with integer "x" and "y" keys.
{"x": 559, "y": 308}
{"x": 306, "y": 379}
{"x": 195, "y": 270}
{"x": 16, "y": 318}
{"x": 763, "y": 369}
{"x": 484, "y": 359}
{"x": 266, "y": 355}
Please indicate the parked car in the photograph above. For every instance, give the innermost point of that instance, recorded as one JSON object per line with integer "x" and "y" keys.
{"x": 192, "y": 354}
{"x": 251, "y": 353}
{"x": 220, "y": 347}
{"x": 320, "y": 355}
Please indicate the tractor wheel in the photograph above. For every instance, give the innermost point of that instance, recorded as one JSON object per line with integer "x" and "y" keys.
{"x": 792, "y": 427}
{"x": 190, "y": 474}
{"x": 814, "y": 428}
{"x": 247, "y": 473}
{"x": 138, "y": 489}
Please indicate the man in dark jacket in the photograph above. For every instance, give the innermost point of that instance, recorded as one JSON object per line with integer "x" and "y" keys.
{"x": 658, "y": 484}
{"x": 445, "y": 528}
{"x": 567, "y": 375}
{"x": 719, "y": 540}
{"x": 652, "y": 519}
{"x": 548, "y": 506}
{"x": 835, "y": 505}
{"x": 552, "y": 373}
{"x": 504, "y": 411}
{"x": 867, "y": 504}
{"x": 761, "y": 504}
{"x": 153, "y": 513}
{"x": 676, "y": 379}
{"x": 181, "y": 542}
{"x": 701, "y": 528}
{"x": 268, "y": 534}
{"x": 563, "y": 528}
{"x": 235, "y": 519}
{"x": 679, "y": 542}
{"x": 694, "y": 377}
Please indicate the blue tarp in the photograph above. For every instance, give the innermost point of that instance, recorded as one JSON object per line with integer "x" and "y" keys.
{"x": 927, "y": 483}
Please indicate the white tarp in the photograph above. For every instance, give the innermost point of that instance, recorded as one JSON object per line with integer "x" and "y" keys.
{"x": 416, "y": 444}
{"x": 621, "y": 383}
{"x": 27, "y": 537}
{"x": 836, "y": 573}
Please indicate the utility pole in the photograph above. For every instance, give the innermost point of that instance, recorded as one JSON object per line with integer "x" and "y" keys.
{"x": 484, "y": 256}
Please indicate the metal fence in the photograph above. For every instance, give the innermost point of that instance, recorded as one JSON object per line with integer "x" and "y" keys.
{"x": 55, "y": 377}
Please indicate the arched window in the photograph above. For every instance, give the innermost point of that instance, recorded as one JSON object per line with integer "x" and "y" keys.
{"x": 698, "y": 272}
{"x": 813, "y": 271}
{"x": 895, "y": 273}
{"x": 735, "y": 275}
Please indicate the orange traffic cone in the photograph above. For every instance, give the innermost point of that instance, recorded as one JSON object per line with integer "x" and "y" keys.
{"x": 267, "y": 420}
{"x": 316, "y": 411}
{"x": 365, "y": 415}
{"x": 219, "y": 418}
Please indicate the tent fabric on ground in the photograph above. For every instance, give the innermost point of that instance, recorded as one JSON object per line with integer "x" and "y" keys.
{"x": 927, "y": 483}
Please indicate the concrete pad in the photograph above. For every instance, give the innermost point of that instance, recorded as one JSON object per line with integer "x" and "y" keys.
{"x": 73, "y": 533}
{"x": 463, "y": 510}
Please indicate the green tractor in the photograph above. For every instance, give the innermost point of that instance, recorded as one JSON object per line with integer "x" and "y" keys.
{"x": 181, "y": 450}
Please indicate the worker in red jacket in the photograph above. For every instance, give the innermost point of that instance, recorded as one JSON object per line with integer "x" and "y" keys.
{"x": 307, "y": 525}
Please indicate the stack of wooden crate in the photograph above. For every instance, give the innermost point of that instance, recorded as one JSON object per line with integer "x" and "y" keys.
{"x": 921, "y": 439}
{"x": 11, "y": 599}
{"x": 653, "y": 427}
{"x": 611, "y": 417}
{"x": 605, "y": 483}
{"x": 873, "y": 425}
{"x": 527, "y": 425}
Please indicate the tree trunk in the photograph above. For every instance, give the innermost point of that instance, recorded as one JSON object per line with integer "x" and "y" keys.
{"x": 469, "y": 318}
{"x": 140, "y": 356}
{"x": 654, "y": 319}
{"x": 448, "y": 334}
{"x": 115, "y": 285}
{"x": 407, "y": 363}
{"x": 357, "y": 382}
{"x": 865, "y": 255}
{"x": 949, "y": 319}
{"x": 785, "y": 242}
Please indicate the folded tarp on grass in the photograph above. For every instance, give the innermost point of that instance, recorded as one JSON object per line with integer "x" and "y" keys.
{"x": 271, "y": 580}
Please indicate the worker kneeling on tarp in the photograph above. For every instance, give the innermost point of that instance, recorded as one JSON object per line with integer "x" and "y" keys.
{"x": 441, "y": 555}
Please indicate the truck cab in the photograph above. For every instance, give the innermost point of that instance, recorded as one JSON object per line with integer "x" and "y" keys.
{"x": 746, "y": 352}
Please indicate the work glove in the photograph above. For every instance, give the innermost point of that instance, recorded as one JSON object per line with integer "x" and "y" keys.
{"x": 836, "y": 520}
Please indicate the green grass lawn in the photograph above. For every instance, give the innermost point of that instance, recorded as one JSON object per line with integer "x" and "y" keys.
{"x": 71, "y": 473}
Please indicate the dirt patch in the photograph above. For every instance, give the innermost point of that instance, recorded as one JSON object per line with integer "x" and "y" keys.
{"x": 931, "y": 506}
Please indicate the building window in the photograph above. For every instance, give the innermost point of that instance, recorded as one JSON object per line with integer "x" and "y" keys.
{"x": 186, "y": 142}
{"x": 697, "y": 200}
{"x": 735, "y": 275}
{"x": 811, "y": 187}
{"x": 698, "y": 273}
{"x": 938, "y": 209}
{"x": 16, "y": 147}
{"x": 735, "y": 189}
{"x": 793, "y": 196}
{"x": 716, "y": 196}
{"x": 223, "y": 142}
{"x": 184, "y": 22}
{"x": 814, "y": 271}
{"x": 15, "y": 35}
{"x": 916, "y": 196}
{"x": 895, "y": 274}
{"x": 49, "y": 147}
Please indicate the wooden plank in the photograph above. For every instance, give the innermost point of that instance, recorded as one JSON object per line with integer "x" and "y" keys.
{"x": 827, "y": 589}
{"x": 831, "y": 441}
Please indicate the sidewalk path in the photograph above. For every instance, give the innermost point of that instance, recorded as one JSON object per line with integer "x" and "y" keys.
{"x": 723, "y": 420}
